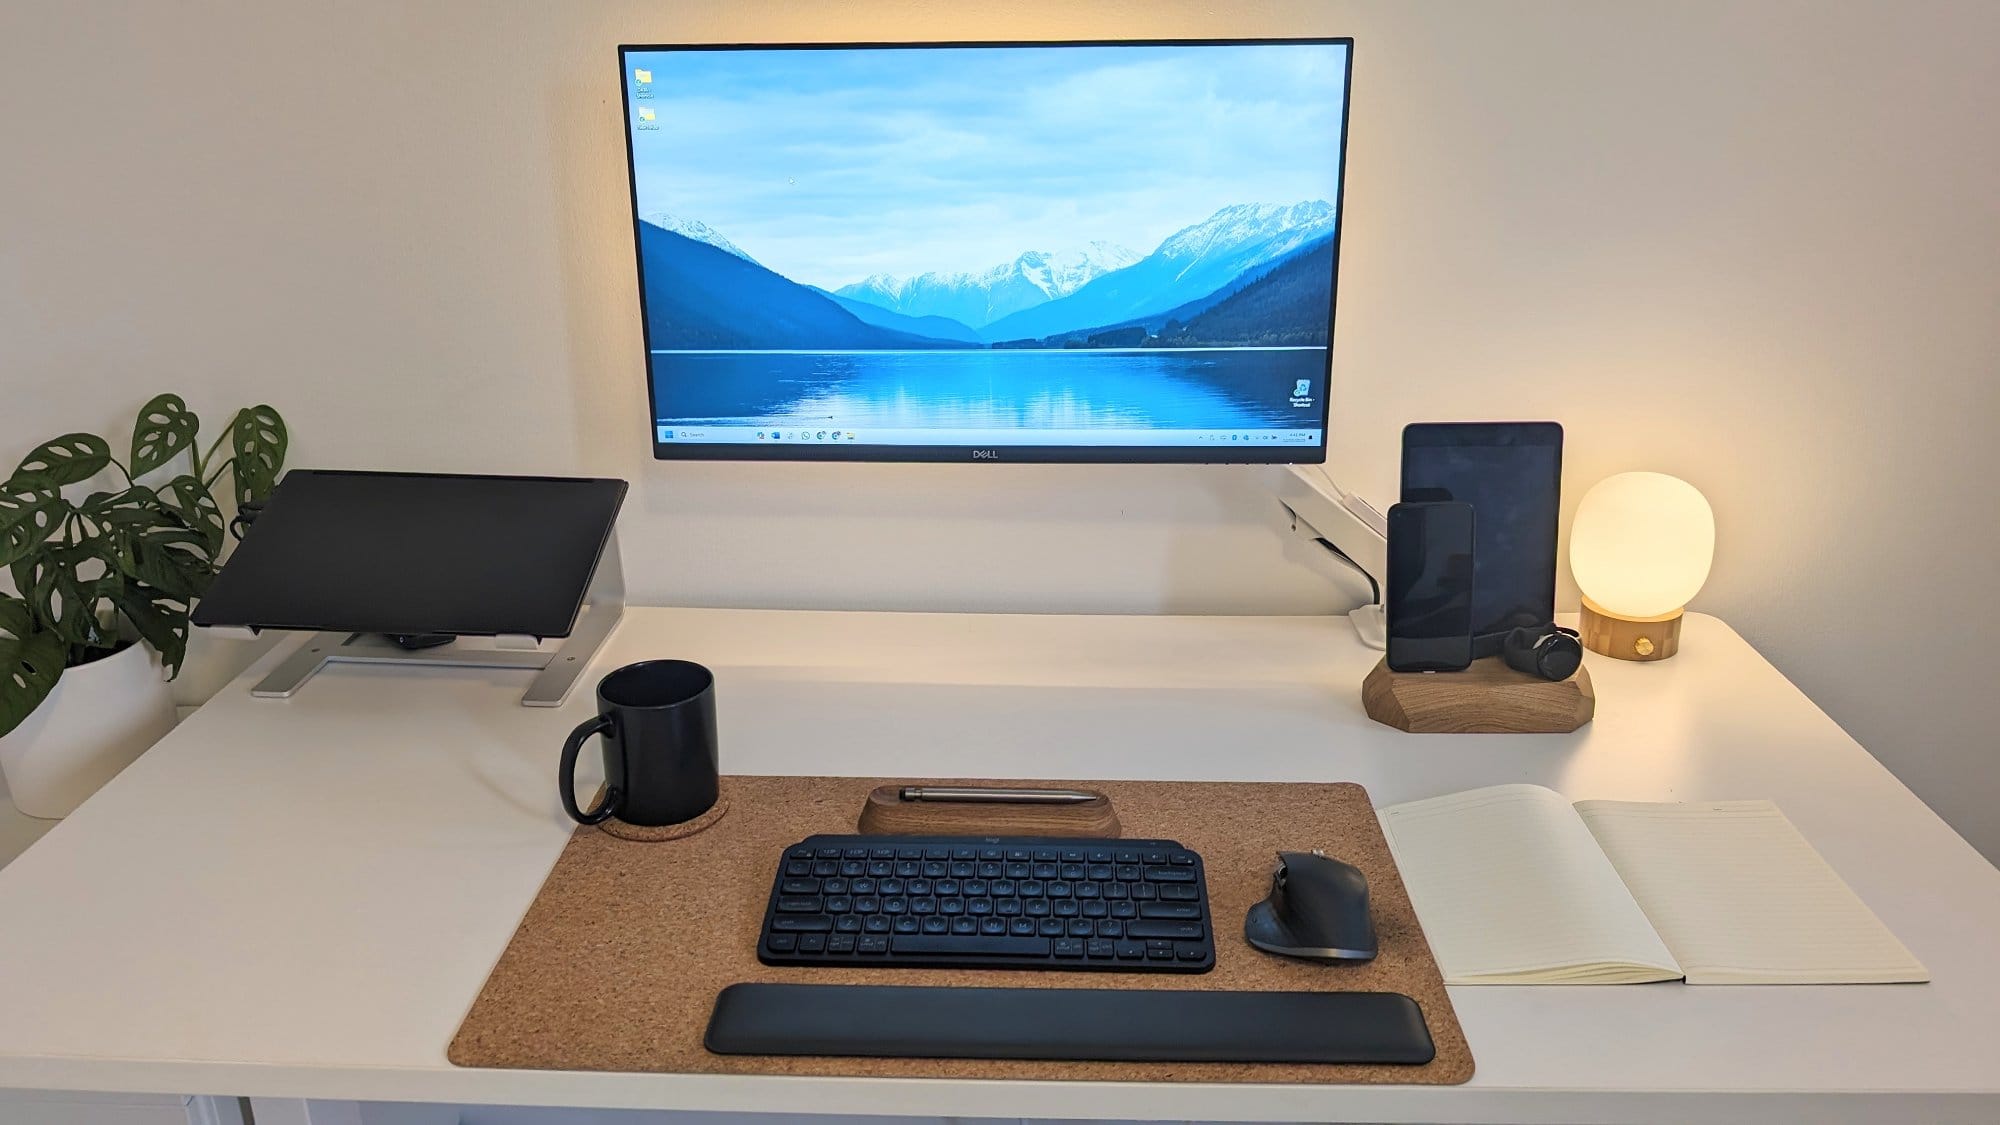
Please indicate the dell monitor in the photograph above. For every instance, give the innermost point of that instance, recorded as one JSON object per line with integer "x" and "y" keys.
{"x": 1100, "y": 251}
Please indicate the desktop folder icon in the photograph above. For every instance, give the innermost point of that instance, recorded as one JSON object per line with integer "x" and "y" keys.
{"x": 645, "y": 114}
{"x": 642, "y": 77}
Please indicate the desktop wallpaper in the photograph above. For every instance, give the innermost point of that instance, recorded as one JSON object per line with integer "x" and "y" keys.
{"x": 985, "y": 245}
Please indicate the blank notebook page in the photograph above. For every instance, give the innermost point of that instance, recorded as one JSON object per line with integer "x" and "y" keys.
{"x": 1511, "y": 888}
{"x": 1742, "y": 898}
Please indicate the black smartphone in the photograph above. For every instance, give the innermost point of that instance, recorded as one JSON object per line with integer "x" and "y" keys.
{"x": 1511, "y": 474}
{"x": 1431, "y": 558}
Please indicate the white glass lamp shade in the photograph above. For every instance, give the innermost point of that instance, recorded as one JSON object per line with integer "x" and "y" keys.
{"x": 1641, "y": 544}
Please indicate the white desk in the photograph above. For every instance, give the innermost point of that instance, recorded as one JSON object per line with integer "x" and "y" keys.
{"x": 345, "y": 866}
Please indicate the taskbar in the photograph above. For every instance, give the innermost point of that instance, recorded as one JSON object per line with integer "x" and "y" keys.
{"x": 781, "y": 433}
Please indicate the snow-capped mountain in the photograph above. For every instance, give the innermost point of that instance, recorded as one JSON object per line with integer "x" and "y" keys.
{"x": 1266, "y": 231}
{"x": 1189, "y": 264}
{"x": 697, "y": 230}
{"x": 978, "y": 298}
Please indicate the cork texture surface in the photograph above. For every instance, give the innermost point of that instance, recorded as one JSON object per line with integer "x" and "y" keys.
{"x": 618, "y": 961}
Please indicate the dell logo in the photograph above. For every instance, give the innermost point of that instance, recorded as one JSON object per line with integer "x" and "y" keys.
{"x": 985, "y": 455}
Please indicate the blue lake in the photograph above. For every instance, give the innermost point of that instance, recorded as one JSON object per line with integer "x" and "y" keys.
{"x": 1028, "y": 389}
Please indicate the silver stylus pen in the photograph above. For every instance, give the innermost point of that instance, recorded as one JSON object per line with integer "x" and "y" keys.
{"x": 995, "y": 796}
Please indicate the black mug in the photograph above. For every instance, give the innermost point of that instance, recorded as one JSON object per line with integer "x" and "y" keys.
{"x": 658, "y": 722}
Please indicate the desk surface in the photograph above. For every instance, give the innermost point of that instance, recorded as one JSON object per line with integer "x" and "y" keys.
{"x": 300, "y": 898}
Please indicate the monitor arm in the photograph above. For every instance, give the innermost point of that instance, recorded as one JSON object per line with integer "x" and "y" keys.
{"x": 1321, "y": 509}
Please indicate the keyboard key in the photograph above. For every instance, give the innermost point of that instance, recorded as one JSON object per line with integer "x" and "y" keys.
{"x": 963, "y": 853}
{"x": 1066, "y": 908}
{"x": 1068, "y": 947}
{"x": 801, "y": 904}
{"x": 906, "y": 925}
{"x": 1072, "y": 855}
{"x": 1145, "y": 892}
{"x": 847, "y": 924}
{"x": 990, "y": 853}
{"x": 1100, "y": 950}
{"x": 1100, "y": 855}
{"x": 881, "y": 853}
{"x": 1188, "y": 931}
{"x": 811, "y": 943}
{"x": 1154, "y": 856}
{"x": 839, "y": 904}
{"x": 1111, "y": 927}
{"x": 1170, "y": 875}
{"x": 964, "y": 926}
{"x": 1180, "y": 892}
{"x": 1098, "y": 871}
{"x": 855, "y": 853}
{"x": 1051, "y": 927}
{"x": 877, "y": 924}
{"x": 1017, "y": 855}
{"x": 834, "y": 886}
{"x": 1126, "y": 855}
{"x": 1045, "y": 855}
{"x": 980, "y": 946}
{"x": 801, "y": 924}
{"x": 1177, "y": 911}
{"x": 1181, "y": 859}
{"x": 867, "y": 904}
{"x": 783, "y": 943}
{"x": 993, "y": 926}
{"x": 1096, "y": 908}
{"x": 1036, "y": 908}
{"x": 935, "y": 925}
{"x": 840, "y": 943}
{"x": 1070, "y": 871}
{"x": 1131, "y": 951}
{"x": 1083, "y": 927}
{"x": 1124, "y": 910}
{"x": 1127, "y": 872}
{"x": 873, "y": 943}
{"x": 799, "y": 887}
{"x": 1191, "y": 951}
{"x": 1022, "y": 927}
{"x": 798, "y": 867}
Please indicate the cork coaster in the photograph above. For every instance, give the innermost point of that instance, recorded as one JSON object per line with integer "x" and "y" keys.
{"x": 619, "y": 959}
{"x": 657, "y": 835}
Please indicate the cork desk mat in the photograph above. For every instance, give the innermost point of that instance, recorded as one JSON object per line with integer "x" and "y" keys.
{"x": 619, "y": 959}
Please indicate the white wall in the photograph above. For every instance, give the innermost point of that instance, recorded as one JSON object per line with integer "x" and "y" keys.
{"x": 1757, "y": 246}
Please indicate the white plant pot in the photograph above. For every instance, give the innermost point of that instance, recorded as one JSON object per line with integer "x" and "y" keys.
{"x": 98, "y": 720}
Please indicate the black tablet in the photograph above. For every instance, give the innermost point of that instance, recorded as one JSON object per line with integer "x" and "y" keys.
{"x": 417, "y": 553}
{"x": 1511, "y": 474}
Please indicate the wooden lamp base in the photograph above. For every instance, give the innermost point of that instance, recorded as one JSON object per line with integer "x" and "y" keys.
{"x": 1630, "y": 638}
{"x": 1487, "y": 698}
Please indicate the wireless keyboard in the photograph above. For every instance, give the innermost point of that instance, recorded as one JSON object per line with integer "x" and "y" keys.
{"x": 1133, "y": 906}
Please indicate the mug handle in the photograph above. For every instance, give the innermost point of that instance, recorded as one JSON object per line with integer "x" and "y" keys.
{"x": 566, "y": 775}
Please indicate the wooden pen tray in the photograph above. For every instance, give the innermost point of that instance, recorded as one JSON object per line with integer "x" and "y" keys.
{"x": 619, "y": 958}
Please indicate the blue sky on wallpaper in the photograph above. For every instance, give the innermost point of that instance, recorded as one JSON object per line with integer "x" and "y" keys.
{"x": 828, "y": 166}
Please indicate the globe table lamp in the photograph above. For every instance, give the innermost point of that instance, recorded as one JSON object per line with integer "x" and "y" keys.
{"x": 1640, "y": 549}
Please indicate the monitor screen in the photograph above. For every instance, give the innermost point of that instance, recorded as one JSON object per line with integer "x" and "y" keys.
{"x": 991, "y": 252}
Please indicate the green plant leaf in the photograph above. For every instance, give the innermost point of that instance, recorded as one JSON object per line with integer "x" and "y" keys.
{"x": 31, "y": 506}
{"x": 173, "y": 559}
{"x": 160, "y": 619}
{"x": 69, "y": 459}
{"x": 63, "y": 585}
{"x": 165, "y": 427}
{"x": 31, "y": 661}
{"x": 190, "y": 503}
{"x": 257, "y": 438}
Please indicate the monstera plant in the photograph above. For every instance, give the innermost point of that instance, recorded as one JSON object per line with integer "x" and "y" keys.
{"x": 91, "y": 573}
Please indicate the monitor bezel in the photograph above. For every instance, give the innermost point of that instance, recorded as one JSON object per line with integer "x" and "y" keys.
{"x": 1015, "y": 454}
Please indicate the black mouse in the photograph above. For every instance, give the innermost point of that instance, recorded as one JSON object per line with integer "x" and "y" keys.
{"x": 1318, "y": 908}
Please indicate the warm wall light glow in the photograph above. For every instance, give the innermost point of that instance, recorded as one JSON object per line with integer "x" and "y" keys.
{"x": 1642, "y": 544}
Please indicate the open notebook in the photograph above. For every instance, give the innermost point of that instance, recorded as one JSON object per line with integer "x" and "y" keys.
{"x": 1514, "y": 885}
